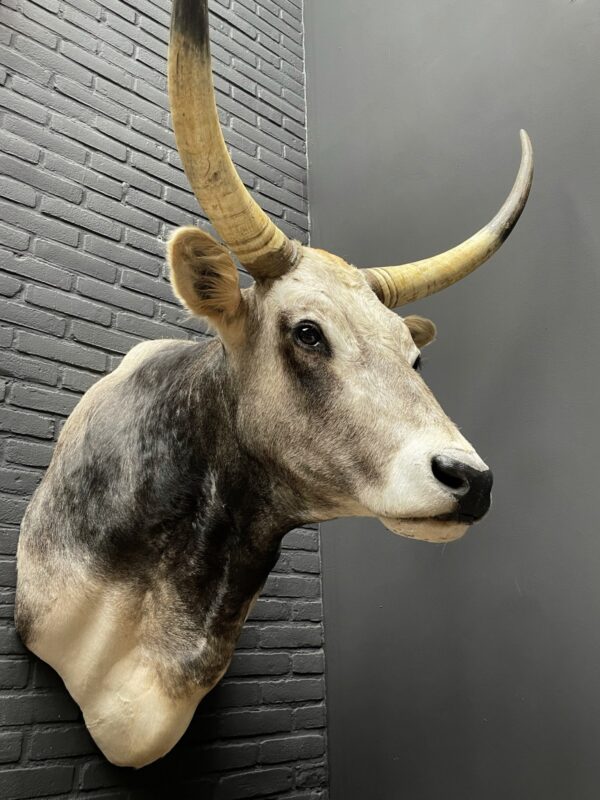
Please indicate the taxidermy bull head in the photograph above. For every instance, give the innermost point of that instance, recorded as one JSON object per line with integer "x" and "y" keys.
{"x": 176, "y": 477}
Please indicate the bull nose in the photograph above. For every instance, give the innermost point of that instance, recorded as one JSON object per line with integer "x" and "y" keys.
{"x": 471, "y": 487}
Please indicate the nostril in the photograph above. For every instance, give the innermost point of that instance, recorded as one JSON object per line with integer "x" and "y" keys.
{"x": 451, "y": 473}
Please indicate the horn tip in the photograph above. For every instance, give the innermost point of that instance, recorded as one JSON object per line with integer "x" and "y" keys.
{"x": 526, "y": 141}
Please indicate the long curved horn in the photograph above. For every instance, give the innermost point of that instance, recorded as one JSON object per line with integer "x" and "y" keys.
{"x": 396, "y": 286}
{"x": 244, "y": 227}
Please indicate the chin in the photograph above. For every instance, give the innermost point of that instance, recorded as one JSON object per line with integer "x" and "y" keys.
{"x": 427, "y": 530}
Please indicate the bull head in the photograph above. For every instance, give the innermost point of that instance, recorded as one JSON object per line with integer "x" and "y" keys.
{"x": 176, "y": 476}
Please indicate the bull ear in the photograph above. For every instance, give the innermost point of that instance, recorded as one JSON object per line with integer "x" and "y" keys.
{"x": 422, "y": 330}
{"x": 205, "y": 278}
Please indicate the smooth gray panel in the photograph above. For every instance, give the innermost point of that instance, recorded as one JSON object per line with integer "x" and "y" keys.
{"x": 472, "y": 670}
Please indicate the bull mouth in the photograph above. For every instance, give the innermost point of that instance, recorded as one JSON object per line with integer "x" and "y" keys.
{"x": 439, "y": 529}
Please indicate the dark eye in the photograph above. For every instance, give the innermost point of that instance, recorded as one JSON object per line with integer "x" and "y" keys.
{"x": 417, "y": 364}
{"x": 309, "y": 335}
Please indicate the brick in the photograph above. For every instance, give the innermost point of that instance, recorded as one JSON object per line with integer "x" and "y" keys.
{"x": 69, "y": 740}
{"x": 53, "y": 61}
{"x": 49, "y": 99}
{"x": 34, "y": 222}
{"x": 293, "y": 690}
{"x": 8, "y": 545}
{"x": 130, "y": 102}
{"x": 78, "y": 381}
{"x": 58, "y": 350}
{"x": 99, "y": 775}
{"x": 235, "y": 693}
{"x": 106, "y": 340}
{"x": 292, "y": 748}
{"x": 30, "y": 454}
{"x": 289, "y": 636}
{"x": 45, "y": 139}
{"x": 123, "y": 213}
{"x": 313, "y": 775}
{"x": 75, "y": 261}
{"x": 159, "y": 170}
{"x": 17, "y": 146}
{"x": 9, "y": 286}
{"x": 36, "y": 781}
{"x": 120, "y": 254}
{"x": 44, "y": 677}
{"x": 23, "y": 709}
{"x": 88, "y": 7}
{"x": 259, "y": 664}
{"x": 115, "y": 296}
{"x": 6, "y": 336}
{"x": 89, "y": 137}
{"x": 249, "y": 637}
{"x": 19, "y": 105}
{"x": 125, "y": 174}
{"x": 119, "y": 8}
{"x": 81, "y": 217}
{"x": 68, "y": 304}
{"x": 290, "y": 141}
{"x": 29, "y": 369}
{"x": 21, "y": 422}
{"x": 17, "y": 240}
{"x": 13, "y": 673}
{"x": 242, "y": 100}
{"x": 11, "y": 743}
{"x": 155, "y": 287}
{"x": 15, "y": 62}
{"x": 10, "y": 514}
{"x": 8, "y": 567}
{"x": 60, "y": 26}
{"x": 129, "y": 137}
{"x": 11, "y": 509}
{"x": 96, "y": 65}
{"x": 18, "y": 481}
{"x": 17, "y": 22}
{"x": 299, "y": 539}
{"x": 308, "y": 662}
{"x": 309, "y": 611}
{"x": 310, "y": 717}
{"x": 221, "y": 757}
{"x": 136, "y": 34}
{"x": 150, "y": 10}
{"x": 254, "y": 723}
{"x": 40, "y": 179}
{"x": 291, "y": 586}
{"x": 26, "y": 317}
{"x": 135, "y": 67}
{"x": 176, "y": 315}
{"x": 147, "y": 329}
{"x": 305, "y": 562}
{"x": 83, "y": 176}
{"x": 185, "y": 200}
{"x": 258, "y": 783}
{"x": 92, "y": 99}
{"x": 40, "y": 399}
{"x": 265, "y": 609}
{"x": 99, "y": 31}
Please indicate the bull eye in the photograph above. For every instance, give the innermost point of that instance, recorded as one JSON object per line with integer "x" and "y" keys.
{"x": 309, "y": 336}
{"x": 418, "y": 363}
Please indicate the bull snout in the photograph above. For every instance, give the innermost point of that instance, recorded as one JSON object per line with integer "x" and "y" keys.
{"x": 471, "y": 487}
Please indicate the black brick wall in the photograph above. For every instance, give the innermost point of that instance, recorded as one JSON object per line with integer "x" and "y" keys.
{"x": 90, "y": 186}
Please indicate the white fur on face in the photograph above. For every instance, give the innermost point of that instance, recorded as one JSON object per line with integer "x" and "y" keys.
{"x": 380, "y": 411}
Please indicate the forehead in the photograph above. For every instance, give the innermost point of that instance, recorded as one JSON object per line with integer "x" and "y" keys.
{"x": 325, "y": 287}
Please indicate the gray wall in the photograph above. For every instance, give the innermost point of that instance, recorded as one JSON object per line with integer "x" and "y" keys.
{"x": 471, "y": 671}
{"x": 90, "y": 184}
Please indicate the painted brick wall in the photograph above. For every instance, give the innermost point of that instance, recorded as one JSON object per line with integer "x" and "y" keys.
{"x": 90, "y": 186}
